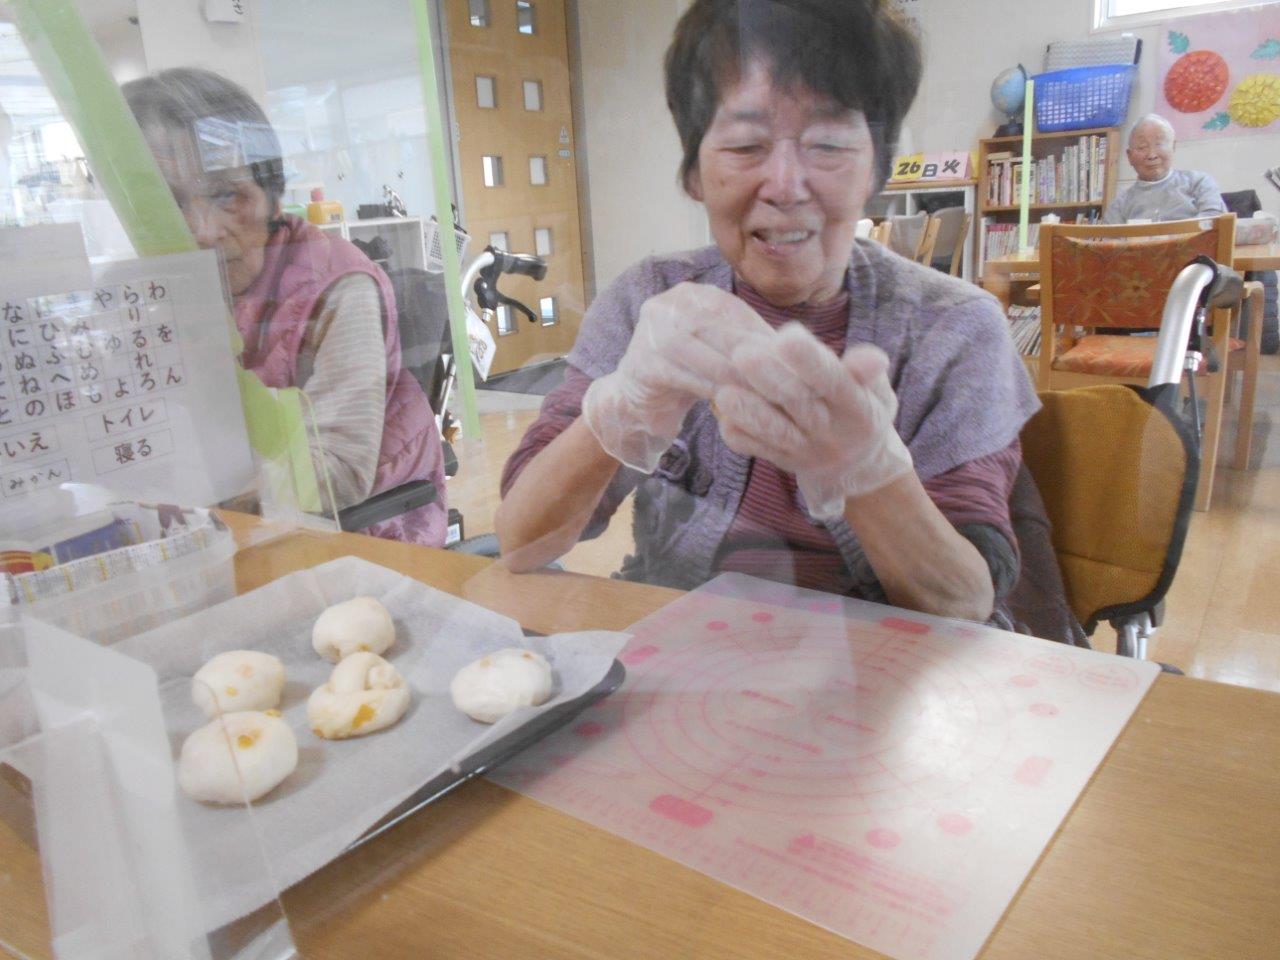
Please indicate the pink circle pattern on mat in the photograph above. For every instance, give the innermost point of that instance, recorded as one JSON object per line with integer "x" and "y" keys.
{"x": 1023, "y": 680}
{"x": 717, "y": 625}
{"x": 882, "y": 838}
{"x": 762, "y": 617}
{"x": 1044, "y": 709}
{"x": 956, "y": 824}
{"x": 589, "y": 729}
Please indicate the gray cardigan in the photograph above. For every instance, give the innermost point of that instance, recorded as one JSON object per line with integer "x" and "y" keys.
{"x": 962, "y": 393}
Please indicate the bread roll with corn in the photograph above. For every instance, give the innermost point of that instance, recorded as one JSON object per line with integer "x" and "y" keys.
{"x": 364, "y": 694}
{"x": 240, "y": 756}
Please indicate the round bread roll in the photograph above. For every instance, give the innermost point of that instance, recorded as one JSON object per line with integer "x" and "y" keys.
{"x": 354, "y": 626}
{"x": 238, "y": 680}
{"x": 491, "y": 687}
{"x": 239, "y": 756}
{"x": 364, "y": 694}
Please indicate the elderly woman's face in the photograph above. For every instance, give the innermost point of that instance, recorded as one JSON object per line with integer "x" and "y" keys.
{"x": 1151, "y": 151}
{"x": 225, "y": 209}
{"x": 784, "y": 177}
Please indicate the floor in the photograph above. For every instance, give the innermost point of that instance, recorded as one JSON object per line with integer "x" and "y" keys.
{"x": 1223, "y": 612}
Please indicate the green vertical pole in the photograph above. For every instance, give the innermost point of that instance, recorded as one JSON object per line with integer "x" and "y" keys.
{"x": 438, "y": 143}
{"x": 1024, "y": 202}
{"x": 89, "y": 99}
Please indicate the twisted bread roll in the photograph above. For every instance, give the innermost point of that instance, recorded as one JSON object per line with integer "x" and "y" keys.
{"x": 491, "y": 687}
{"x": 238, "y": 680}
{"x": 240, "y": 756}
{"x": 354, "y": 626}
{"x": 364, "y": 694}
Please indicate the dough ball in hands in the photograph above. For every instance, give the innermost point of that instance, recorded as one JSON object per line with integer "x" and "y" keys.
{"x": 364, "y": 694}
{"x": 358, "y": 625}
{"x": 238, "y": 680}
{"x": 491, "y": 687}
{"x": 240, "y": 756}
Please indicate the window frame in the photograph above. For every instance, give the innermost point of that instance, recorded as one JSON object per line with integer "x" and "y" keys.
{"x": 1103, "y": 22}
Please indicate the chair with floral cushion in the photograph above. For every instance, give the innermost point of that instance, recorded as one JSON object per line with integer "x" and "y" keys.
{"x": 1100, "y": 282}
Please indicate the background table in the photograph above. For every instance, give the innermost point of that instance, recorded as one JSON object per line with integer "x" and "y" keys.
{"x": 1171, "y": 852}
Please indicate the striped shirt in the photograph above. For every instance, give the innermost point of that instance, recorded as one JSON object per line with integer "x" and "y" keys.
{"x": 342, "y": 369}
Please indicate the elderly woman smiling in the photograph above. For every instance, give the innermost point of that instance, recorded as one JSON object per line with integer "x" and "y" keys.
{"x": 790, "y": 403}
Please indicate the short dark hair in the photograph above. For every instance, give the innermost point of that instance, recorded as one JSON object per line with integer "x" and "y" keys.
{"x": 209, "y": 106}
{"x": 859, "y": 53}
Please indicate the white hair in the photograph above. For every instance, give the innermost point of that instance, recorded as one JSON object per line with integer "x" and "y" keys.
{"x": 1153, "y": 118}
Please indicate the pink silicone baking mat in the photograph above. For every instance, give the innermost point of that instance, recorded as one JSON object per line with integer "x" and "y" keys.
{"x": 889, "y": 776}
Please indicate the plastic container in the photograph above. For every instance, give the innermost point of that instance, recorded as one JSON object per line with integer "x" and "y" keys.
{"x": 432, "y": 252}
{"x": 1083, "y": 97}
{"x": 322, "y": 211}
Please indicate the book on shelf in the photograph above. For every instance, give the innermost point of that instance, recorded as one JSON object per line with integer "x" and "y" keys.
{"x": 1077, "y": 174}
{"x": 1024, "y": 327}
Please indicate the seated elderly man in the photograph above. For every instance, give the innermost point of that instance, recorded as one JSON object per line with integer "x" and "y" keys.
{"x": 1161, "y": 193}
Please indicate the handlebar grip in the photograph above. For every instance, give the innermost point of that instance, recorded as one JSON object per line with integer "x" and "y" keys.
{"x": 518, "y": 263}
{"x": 1227, "y": 287}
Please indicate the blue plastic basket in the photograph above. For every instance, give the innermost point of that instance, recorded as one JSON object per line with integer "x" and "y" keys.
{"x": 1083, "y": 97}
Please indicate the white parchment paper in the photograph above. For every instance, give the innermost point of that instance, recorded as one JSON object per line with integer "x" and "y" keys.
{"x": 341, "y": 788}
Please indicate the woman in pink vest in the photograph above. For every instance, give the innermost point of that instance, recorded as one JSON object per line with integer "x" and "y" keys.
{"x": 314, "y": 311}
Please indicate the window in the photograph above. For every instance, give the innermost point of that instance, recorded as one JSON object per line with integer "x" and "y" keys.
{"x": 506, "y": 321}
{"x": 525, "y": 19}
{"x": 533, "y": 94}
{"x": 538, "y": 171}
{"x": 542, "y": 241}
{"x": 547, "y": 311}
{"x": 500, "y": 241}
{"x": 479, "y": 10}
{"x": 486, "y": 93}
{"x": 492, "y": 170}
{"x": 1111, "y": 14}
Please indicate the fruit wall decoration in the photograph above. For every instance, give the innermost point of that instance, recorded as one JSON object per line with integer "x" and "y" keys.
{"x": 1220, "y": 74}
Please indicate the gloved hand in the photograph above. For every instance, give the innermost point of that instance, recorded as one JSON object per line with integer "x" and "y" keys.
{"x": 827, "y": 420}
{"x": 678, "y": 354}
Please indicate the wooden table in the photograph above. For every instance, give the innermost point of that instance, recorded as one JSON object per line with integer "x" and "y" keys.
{"x": 1171, "y": 852}
{"x": 998, "y": 271}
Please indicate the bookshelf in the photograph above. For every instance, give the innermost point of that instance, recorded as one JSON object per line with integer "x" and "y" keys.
{"x": 1074, "y": 176}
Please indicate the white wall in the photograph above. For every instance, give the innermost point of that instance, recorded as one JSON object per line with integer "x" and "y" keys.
{"x": 176, "y": 34}
{"x": 121, "y": 45}
{"x": 967, "y": 44}
{"x": 630, "y": 144}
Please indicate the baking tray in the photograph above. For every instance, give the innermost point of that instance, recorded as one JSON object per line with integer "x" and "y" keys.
{"x": 497, "y": 753}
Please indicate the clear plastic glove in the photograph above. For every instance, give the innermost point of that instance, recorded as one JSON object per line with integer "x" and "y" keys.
{"x": 827, "y": 420}
{"x": 678, "y": 354}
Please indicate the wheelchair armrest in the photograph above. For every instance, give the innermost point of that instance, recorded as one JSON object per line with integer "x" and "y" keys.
{"x": 388, "y": 504}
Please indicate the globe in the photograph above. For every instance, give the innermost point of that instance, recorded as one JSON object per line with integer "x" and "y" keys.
{"x": 1008, "y": 90}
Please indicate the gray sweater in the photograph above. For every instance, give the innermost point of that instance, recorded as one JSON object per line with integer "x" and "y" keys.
{"x": 1182, "y": 195}
{"x": 962, "y": 392}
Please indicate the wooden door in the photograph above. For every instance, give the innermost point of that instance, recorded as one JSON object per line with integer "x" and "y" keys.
{"x": 509, "y": 63}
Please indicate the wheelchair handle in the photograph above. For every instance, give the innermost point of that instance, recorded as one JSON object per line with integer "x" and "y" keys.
{"x": 1178, "y": 321}
{"x": 516, "y": 263}
{"x": 1226, "y": 288}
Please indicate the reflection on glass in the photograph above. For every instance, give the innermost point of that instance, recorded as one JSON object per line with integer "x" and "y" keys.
{"x": 542, "y": 241}
{"x": 525, "y": 21}
{"x": 486, "y": 93}
{"x": 538, "y": 171}
{"x": 506, "y": 321}
{"x": 533, "y": 94}
{"x": 547, "y": 311}
{"x": 492, "y": 170}
{"x": 500, "y": 241}
{"x": 479, "y": 10}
